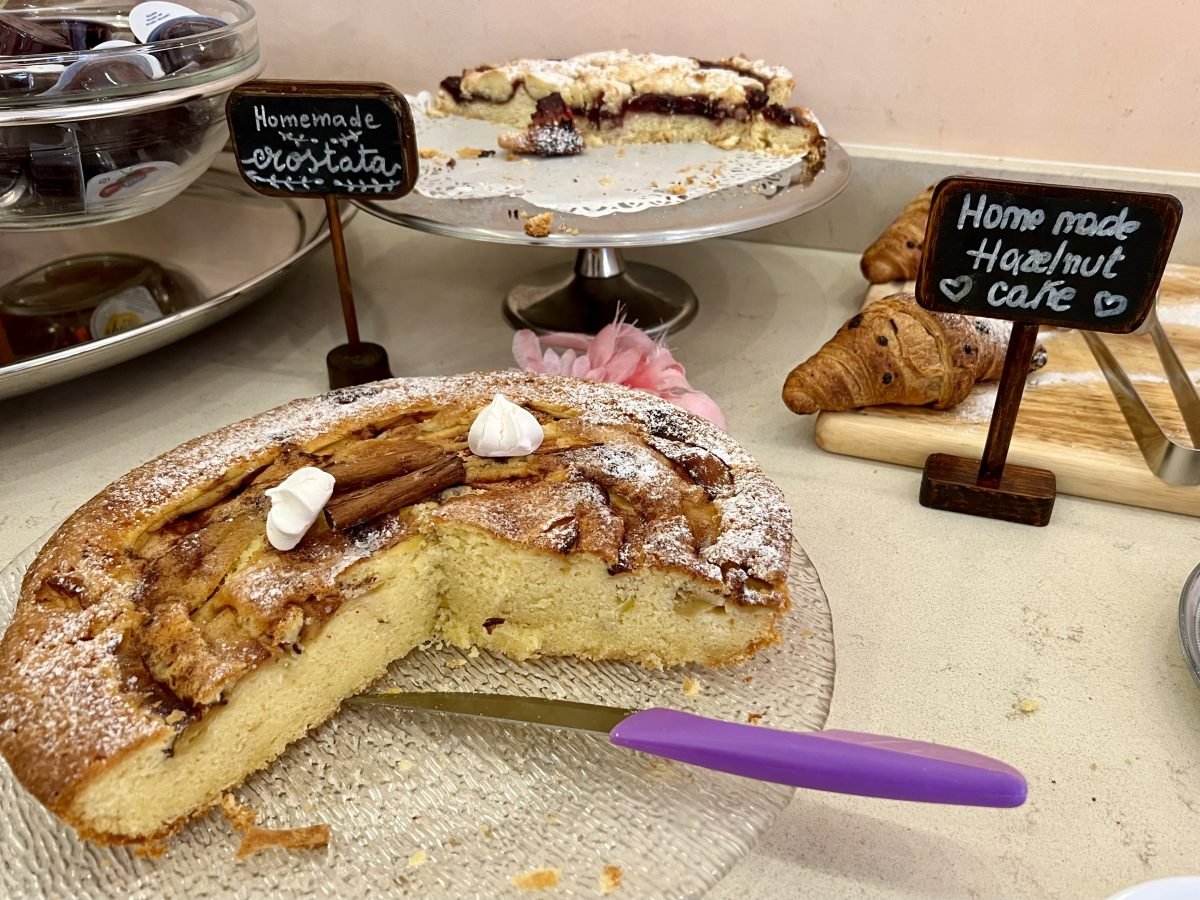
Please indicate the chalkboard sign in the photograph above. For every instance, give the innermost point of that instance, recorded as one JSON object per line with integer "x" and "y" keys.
{"x": 321, "y": 138}
{"x": 1045, "y": 254}
{"x": 328, "y": 139}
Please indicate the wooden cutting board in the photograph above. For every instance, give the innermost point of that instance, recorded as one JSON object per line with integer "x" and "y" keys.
{"x": 1069, "y": 422}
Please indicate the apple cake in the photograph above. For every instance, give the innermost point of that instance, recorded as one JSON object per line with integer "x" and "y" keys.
{"x": 163, "y": 648}
{"x": 622, "y": 97}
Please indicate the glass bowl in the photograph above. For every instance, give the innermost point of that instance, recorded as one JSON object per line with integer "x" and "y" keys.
{"x": 88, "y": 135}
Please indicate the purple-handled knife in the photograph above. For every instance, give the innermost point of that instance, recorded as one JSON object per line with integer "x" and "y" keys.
{"x": 845, "y": 762}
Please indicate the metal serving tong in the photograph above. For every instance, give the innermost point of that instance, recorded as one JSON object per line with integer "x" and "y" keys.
{"x": 1172, "y": 462}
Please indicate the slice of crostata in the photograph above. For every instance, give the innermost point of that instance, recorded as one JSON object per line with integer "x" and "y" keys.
{"x": 622, "y": 97}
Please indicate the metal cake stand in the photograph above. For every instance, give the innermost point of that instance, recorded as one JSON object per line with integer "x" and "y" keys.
{"x": 586, "y": 298}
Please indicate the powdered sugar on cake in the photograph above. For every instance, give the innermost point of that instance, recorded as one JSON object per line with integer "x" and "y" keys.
{"x": 87, "y": 592}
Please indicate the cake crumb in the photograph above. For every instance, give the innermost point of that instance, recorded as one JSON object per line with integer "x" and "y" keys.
{"x": 691, "y": 686}
{"x": 1094, "y": 767}
{"x": 610, "y": 879}
{"x": 1027, "y": 707}
{"x": 510, "y": 157}
{"x": 605, "y": 182}
{"x": 754, "y": 718}
{"x": 418, "y": 859}
{"x": 310, "y": 837}
{"x": 456, "y": 663}
{"x": 806, "y": 633}
{"x": 405, "y": 765}
{"x": 567, "y": 229}
{"x": 429, "y": 153}
{"x": 486, "y": 831}
{"x": 474, "y": 153}
{"x": 539, "y": 226}
{"x": 150, "y": 849}
{"x": 537, "y": 880}
{"x": 473, "y": 653}
{"x": 677, "y": 190}
{"x": 749, "y": 679}
{"x": 240, "y": 815}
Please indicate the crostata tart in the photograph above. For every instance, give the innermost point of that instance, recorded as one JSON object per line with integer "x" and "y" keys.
{"x": 623, "y": 97}
{"x": 179, "y": 630}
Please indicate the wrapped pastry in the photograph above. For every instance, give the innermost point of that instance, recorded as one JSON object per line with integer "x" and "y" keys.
{"x": 896, "y": 253}
{"x": 896, "y": 352}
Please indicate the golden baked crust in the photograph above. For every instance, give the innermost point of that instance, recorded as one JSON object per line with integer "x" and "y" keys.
{"x": 159, "y": 594}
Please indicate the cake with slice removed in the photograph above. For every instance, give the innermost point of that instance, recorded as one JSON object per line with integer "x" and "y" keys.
{"x": 162, "y": 648}
{"x": 622, "y": 97}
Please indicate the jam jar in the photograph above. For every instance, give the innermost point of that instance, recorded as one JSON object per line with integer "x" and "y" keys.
{"x": 86, "y": 298}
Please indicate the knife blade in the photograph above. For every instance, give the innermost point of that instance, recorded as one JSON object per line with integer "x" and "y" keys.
{"x": 844, "y": 762}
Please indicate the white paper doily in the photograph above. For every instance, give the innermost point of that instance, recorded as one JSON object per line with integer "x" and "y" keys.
{"x": 598, "y": 182}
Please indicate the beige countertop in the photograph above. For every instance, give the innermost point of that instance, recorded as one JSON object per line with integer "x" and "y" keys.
{"x": 943, "y": 623}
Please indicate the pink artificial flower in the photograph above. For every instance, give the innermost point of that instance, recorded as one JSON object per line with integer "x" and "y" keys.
{"x": 619, "y": 353}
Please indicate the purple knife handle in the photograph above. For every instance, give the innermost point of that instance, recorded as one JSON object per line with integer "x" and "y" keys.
{"x": 845, "y": 762}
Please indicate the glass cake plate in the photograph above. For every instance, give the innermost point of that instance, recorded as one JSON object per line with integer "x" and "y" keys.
{"x": 430, "y": 806}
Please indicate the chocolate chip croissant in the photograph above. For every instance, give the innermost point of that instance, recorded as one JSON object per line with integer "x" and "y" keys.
{"x": 896, "y": 352}
{"x": 896, "y": 253}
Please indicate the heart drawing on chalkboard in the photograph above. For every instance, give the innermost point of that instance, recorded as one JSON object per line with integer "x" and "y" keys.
{"x": 956, "y": 288}
{"x": 1109, "y": 304}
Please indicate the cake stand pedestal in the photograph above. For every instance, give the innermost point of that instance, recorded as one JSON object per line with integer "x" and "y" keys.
{"x": 587, "y": 298}
{"x": 602, "y": 284}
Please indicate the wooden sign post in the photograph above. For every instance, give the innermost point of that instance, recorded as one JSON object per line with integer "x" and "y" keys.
{"x": 1037, "y": 254}
{"x": 333, "y": 140}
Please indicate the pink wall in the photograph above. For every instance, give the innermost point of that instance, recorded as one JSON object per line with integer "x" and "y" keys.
{"x": 1093, "y": 81}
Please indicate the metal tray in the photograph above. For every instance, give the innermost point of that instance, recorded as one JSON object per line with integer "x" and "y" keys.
{"x": 234, "y": 243}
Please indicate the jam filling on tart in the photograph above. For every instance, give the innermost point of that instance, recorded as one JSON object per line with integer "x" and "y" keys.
{"x": 707, "y": 106}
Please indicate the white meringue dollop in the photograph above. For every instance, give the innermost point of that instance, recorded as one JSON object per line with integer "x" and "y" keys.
{"x": 295, "y": 504}
{"x": 504, "y": 429}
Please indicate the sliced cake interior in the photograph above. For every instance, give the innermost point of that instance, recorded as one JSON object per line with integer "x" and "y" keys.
{"x": 162, "y": 650}
{"x": 623, "y": 97}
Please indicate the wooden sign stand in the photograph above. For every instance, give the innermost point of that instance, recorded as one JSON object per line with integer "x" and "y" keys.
{"x": 1035, "y": 254}
{"x": 991, "y": 487}
{"x": 356, "y": 361}
{"x": 331, "y": 140}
